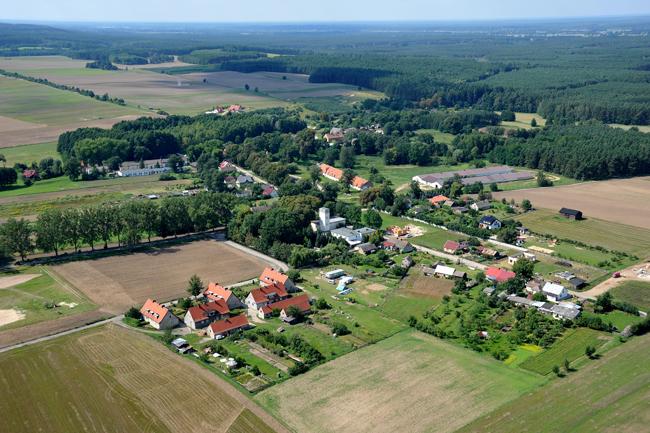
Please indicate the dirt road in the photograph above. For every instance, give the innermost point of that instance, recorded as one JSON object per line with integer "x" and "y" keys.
{"x": 638, "y": 272}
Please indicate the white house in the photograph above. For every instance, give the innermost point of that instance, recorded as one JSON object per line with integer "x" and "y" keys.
{"x": 555, "y": 292}
{"x": 445, "y": 271}
{"x": 158, "y": 316}
{"x": 324, "y": 223}
{"x": 489, "y": 222}
{"x": 202, "y": 315}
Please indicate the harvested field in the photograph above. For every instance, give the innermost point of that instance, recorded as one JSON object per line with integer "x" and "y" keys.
{"x": 10, "y": 316}
{"x": 611, "y": 394}
{"x": 112, "y": 379}
{"x": 421, "y": 285}
{"x": 410, "y": 378}
{"x": 14, "y": 280}
{"x": 121, "y": 281}
{"x": 628, "y": 200}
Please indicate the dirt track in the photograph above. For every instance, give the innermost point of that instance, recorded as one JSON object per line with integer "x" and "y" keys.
{"x": 628, "y": 274}
{"x": 625, "y": 201}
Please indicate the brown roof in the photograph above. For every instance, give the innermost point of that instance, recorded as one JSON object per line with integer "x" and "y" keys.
{"x": 202, "y": 312}
{"x": 334, "y": 172}
{"x": 451, "y": 245}
{"x": 300, "y": 301}
{"x": 229, "y": 324}
{"x": 154, "y": 311}
{"x": 270, "y": 276}
{"x": 358, "y": 182}
{"x": 438, "y": 199}
{"x": 263, "y": 293}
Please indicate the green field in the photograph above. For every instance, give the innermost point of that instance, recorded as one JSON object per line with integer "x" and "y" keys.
{"x": 439, "y": 136}
{"x": 635, "y": 292}
{"x": 37, "y": 299}
{"x": 29, "y": 153}
{"x": 409, "y": 379}
{"x": 610, "y": 235}
{"x": 571, "y": 346}
{"x": 44, "y": 105}
{"x": 522, "y": 120}
{"x": 611, "y": 394}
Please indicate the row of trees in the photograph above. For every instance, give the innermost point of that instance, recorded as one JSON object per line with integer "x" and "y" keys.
{"x": 125, "y": 223}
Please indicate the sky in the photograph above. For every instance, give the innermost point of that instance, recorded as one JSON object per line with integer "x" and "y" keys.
{"x": 310, "y": 10}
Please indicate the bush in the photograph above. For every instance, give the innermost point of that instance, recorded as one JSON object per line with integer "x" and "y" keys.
{"x": 133, "y": 313}
{"x": 298, "y": 368}
{"x": 167, "y": 177}
{"x": 340, "y": 329}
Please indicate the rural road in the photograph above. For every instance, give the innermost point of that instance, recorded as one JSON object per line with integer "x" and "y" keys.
{"x": 253, "y": 175}
{"x": 277, "y": 264}
{"x": 455, "y": 259}
{"x": 629, "y": 274}
{"x": 61, "y": 334}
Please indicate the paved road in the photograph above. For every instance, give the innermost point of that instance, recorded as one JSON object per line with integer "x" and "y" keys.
{"x": 116, "y": 319}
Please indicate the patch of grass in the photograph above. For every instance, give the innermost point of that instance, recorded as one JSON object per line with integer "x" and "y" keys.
{"x": 635, "y": 292}
{"x": 29, "y": 153}
{"x": 439, "y": 136}
{"x": 571, "y": 347}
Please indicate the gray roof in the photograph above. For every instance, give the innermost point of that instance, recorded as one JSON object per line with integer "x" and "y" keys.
{"x": 565, "y": 312}
{"x": 344, "y": 232}
{"x": 365, "y": 231}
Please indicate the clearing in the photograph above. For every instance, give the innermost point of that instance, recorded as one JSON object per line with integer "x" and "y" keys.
{"x": 118, "y": 282}
{"x": 611, "y": 394}
{"x": 112, "y": 379}
{"x": 635, "y": 292}
{"x": 628, "y": 200}
{"x": 410, "y": 377}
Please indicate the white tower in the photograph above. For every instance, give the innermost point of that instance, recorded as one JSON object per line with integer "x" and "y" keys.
{"x": 324, "y": 217}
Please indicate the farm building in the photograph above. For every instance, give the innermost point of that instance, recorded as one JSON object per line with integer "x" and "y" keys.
{"x": 481, "y": 205}
{"x": 499, "y": 275}
{"x": 258, "y": 298}
{"x": 407, "y": 262}
{"x": 222, "y": 328}
{"x": 448, "y": 272}
{"x": 215, "y": 292}
{"x": 158, "y": 316}
{"x": 484, "y": 175}
{"x": 489, "y": 222}
{"x": 438, "y": 200}
{"x": 571, "y": 213}
{"x": 301, "y": 302}
{"x": 272, "y": 277}
{"x": 202, "y": 315}
{"x": 145, "y": 168}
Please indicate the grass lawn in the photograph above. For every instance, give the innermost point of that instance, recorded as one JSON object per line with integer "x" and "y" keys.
{"x": 522, "y": 120}
{"x": 620, "y": 319}
{"x": 571, "y": 346}
{"x": 609, "y": 394}
{"x": 592, "y": 231}
{"x": 396, "y": 382}
{"x": 29, "y": 153}
{"x": 635, "y": 292}
{"x": 438, "y": 136}
{"x": 521, "y": 354}
{"x": 35, "y": 298}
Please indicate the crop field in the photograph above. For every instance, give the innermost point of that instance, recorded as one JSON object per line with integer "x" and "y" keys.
{"x": 522, "y": 120}
{"x": 28, "y": 153}
{"x": 611, "y": 394}
{"x": 410, "y": 376}
{"x": 120, "y": 281}
{"x": 35, "y": 113}
{"x": 621, "y": 201}
{"x": 635, "y": 292}
{"x": 591, "y": 231}
{"x": 570, "y": 347}
{"x": 33, "y": 296}
{"x": 111, "y": 379}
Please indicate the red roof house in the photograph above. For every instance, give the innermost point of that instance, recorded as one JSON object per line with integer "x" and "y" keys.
{"x": 200, "y": 316}
{"x": 330, "y": 172}
{"x": 157, "y": 315}
{"x": 300, "y": 301}
{"x": 438, "y": 200}
{"x": 226, "y": 326}
{"x": 451, "y": 247}
{"x": 215, "y": 291}
{"x": 499, "y": 275}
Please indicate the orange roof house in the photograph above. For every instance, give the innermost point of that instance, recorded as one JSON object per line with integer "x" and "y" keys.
{"x": 499, "y": 275}
{"x": 157, "y": 315}
{"x": 360, "y": 183}
{"x": 330, "y": 172}
{"x": 226, "y": 326}
{"x": 216, "y": 291}
{"x": 271, "y": 276}
{"x": 438, "y": 200}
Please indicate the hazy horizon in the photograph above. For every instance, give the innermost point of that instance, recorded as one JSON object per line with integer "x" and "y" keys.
{"x": 295, "y": 11}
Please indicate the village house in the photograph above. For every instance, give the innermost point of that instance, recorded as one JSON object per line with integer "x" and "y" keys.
{"x": 398, "y": 245}
{"x": 514, "y": 258}
{"x": 202, "y": 315}
{"x": 227, "y": 167}
{"x": 230, "y": 181}
{"x": 459, "y": 210}
{"x": 571, "y": 213}
{"x": 489, "y": 222}
{"x": 534, "y": 286}
{"x": 301, "y": 302}
{"x": 453, "y": 247}
{"x": 438, "y": 200}
{"x": 244, "y": 179}
{"x": 215, "y": 292}
{"x": 269, "y": 191}
{"x": 272, "y": 277}
{"x": 481, "y": 205}
{"x": 222, "y": 328}
{"x": 30, "y": 174}
{"x": 331, "y": 173}
{"x": 448, "y": 272}
{"x": 336, "y": 135}
{"x": 258, "y": 298}
{"x": 555, "y": 292}
{"x": 158, "y": 316}
{"x": 499, "y": 275}
{"x": 144, "y": 168}
{"x": 324, "y": 223}
{"x": 360, "y": 184}
{"x": 366, "y": 248}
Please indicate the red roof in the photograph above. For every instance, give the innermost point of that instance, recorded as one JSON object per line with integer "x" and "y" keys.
{"x": 388, "y": 244}
{"x": 154, "y": 311}
{"x": 29, "y": 173}
{"x": 268, "y": 190}
{"x": 216, "y": 291}
{"x": 451, "y": 245}
{"x": 270, "y": 276}
{"x": 330, "y": 171}
{"x": 358, "y": 182}
{"x": 438, "y": 199}
{"x": 499, "y": 275}
{"x": 264, "y": 293}
{"x": 229, "y": 324}
{"x": 202, "y": 312}
{"x": 300, "y": 301}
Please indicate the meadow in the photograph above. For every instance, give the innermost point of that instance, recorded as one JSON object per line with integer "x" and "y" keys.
{"x": 635, "y": 292}
{"x": 610, "y": 394}
{"x": 111, "y": 379}
{"x": 31, "y": 152}
{"x": 523, "y": 120}
{"x": 410, "y": 377}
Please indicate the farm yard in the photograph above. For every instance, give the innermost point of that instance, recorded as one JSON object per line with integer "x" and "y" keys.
{"x": 404, "y": 377}
{"x": 621, "y": 202}
{"x": 161, "y": 272}
{"x": 610, "y": 394}
{"x": 111, "y": 379}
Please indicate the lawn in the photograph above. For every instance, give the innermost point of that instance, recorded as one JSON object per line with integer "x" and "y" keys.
{"x": 635, "y": 292}
{"x": 36, "y": 300}
{"x": 571, "y": 346}
{"x": 408, "y": 379}
{"x": 610, "y": 235}
{"x": 607, "y": 395}
{"x": 438, "y": 136}
{"x": 112, "y": 379}
{"x": 29, "y": 153}
{"x": 522, "y": 120}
